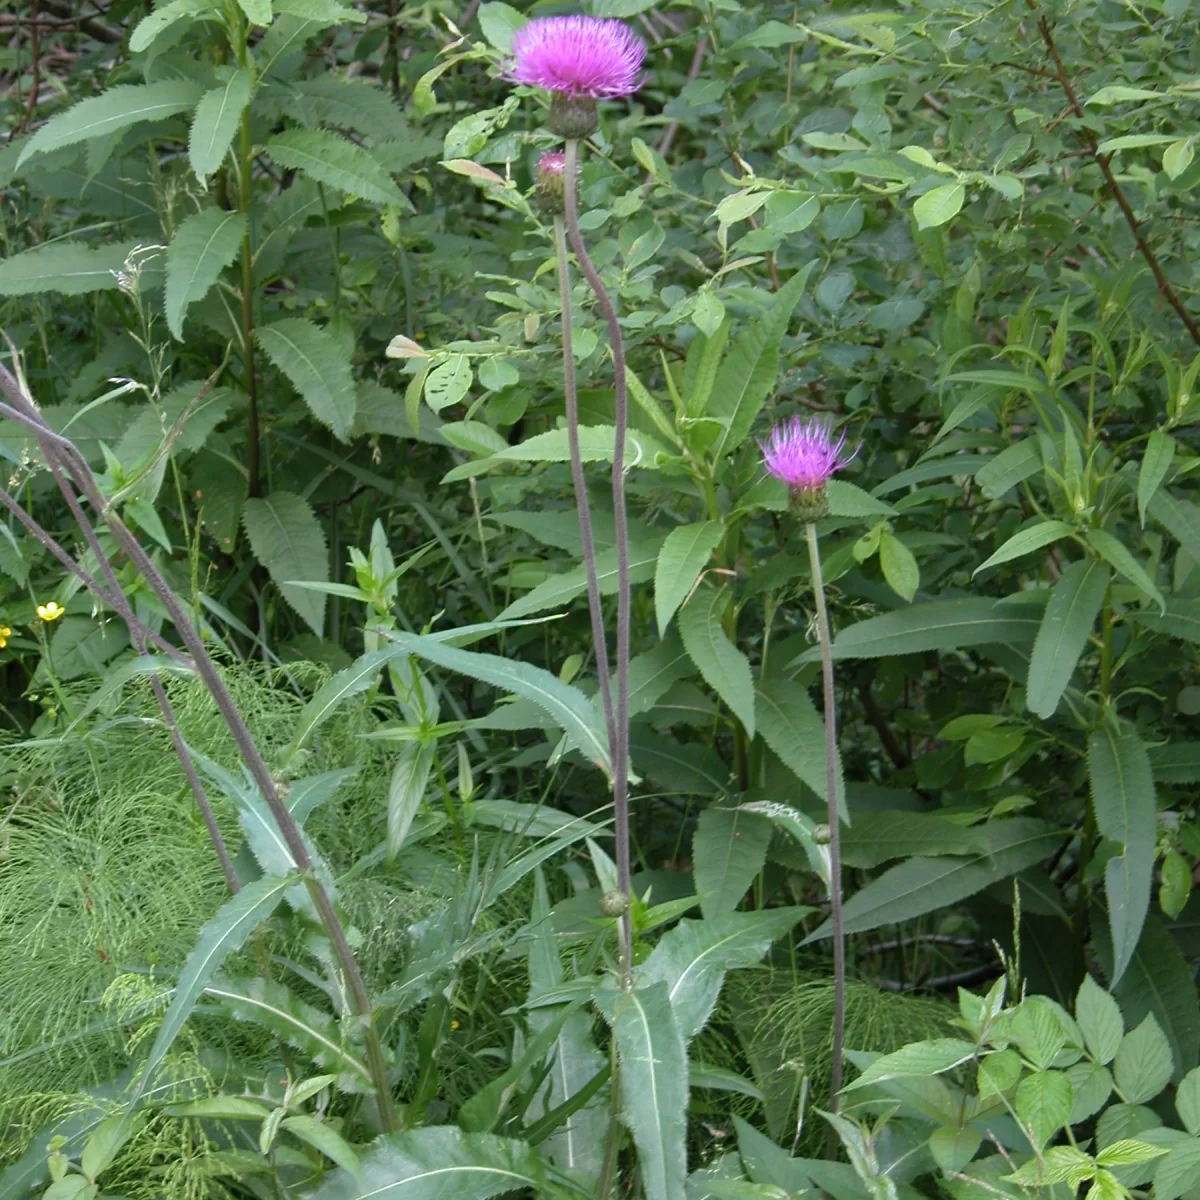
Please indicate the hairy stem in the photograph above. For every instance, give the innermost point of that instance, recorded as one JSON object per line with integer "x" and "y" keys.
{"x": 620, "y": 757}
{"x": 580, "y": 483}
{"x": 831, "y": 802}
{"x": 61, "y": 452}
{"x": 253, "y": 470}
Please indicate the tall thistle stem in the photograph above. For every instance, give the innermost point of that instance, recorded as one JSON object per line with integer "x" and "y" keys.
{"x": 831, "y": 801}
{"x": 581, "y": 495}
{"x": 620, "y": 753}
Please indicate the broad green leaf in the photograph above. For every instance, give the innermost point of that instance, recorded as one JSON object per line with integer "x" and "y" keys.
{"x": 1121, "y": 93}
{"x": 410, "y": 776}
{"x": 921, "y": 885}
{"x": 935, "y": 625}
{"x": 684, "y": 554}
{"x": 1177, "y": 157}
{"x": 219, "y": 937}
{"x": 216, "y": 121}
{"x": 1181, "y": 518}
{"x": 939, "y": 205}
{"x": 351, "y": 103}
{"x": 203, "y": 246}
{"x": 163, "y": 17}
{"x": 729, "y": 849}
{"x": 1128, "y": 1151}
{"x": 438, "y": 1162}
{"x": 1178, "y": 763}
{"x": 1156, "y": 461}
{"x": 1043, "y": 1102}
{"x": 654, "y": 1084}
{"x": 792, "y": 727}
{"x": 113, "y": 111}
{"x": 288, "y": 540}
{"x": 1176, "y": 883}
{"x": 1091, "y": 1085}
{"x": 693, "y": 956}
{"x": 258, "y": 12}
{"x": 1099, "y": 1019}
{"x": 1116, "y": 555}
{"x": 1179, "y": 1171}
{"x": 1026, "y": 541}
{"x": 953, "y": 1148}
{"x": 318, "y": 367}
{"x": 1187, "y": 1101}
{"x": 724, "y": 667}
{"x": 1058, "y": 1165}
{"x": 337, "y": 162}
{"x": 846, "y": 500}
{"x": 1181, "y": 619}
{"x": 67, "y": 267}
{"x": 272, "y": 1006}
{"x": 899, "y": 566}
{"x": 1009, "y": 468}
{"x": 1075, "y": 601}
{"x": 448, "y": 382}
{"x": 104, "y": 1145}
{"x": 748, "y": 372}
{"x": 572, "y": 710}
{"x": 916, "y": 1059}
{"x": 882, "y": 836}
{"x": 324, "y": 1139}
{"x": 1123, "y": 801}
{"x": 1144, "y": 1063}
{"x": 499, "y": 22}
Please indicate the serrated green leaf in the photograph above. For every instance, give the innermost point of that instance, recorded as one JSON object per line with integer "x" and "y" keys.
{"x": 1181, "y": 518}
{"x": 203, "y": 246}
{"x": 258, "y": 12}
{"x": 692, "y": 957}
{"x": 273, "y": 1006}
{"x": 1075, "y": 602}
{"x": 352, "y": 103}
{"x": 1144, "y": 1063}
{"x": 1187, "y": 1101}
{"x": 916, "y": 1059}
{"x": 654, "y": 1084}
{"x": 729, "y": 849}
{"x": 1156, "y": 461}
{"x": 163, "y": 17}
{"x": 1043, "y": 1102}
{"x": 499, "y": 22}
{"x": 112, "y": 112}
{"x": 331, "y": 159}
{"x": 318, "y": 367}
{"x": 435, "y": 1163}
{"x": 939, "y": 205}
{"x": 288, "y": 540}
{"x": 1026, "y": 541}
{"x": 1123, "y": 801}
{"x": 70, "y": 268}
{"x": 920, "y": 885}
{"x": 890, "y": 834}
{"x": 724, "y": 667}
{"x": 792, "y": 727}
{"x": 682, "y": 557}
{"x": 935, "y": 625}
{"x": 1117, "y": 556}
{"x": 1179, "y": 1171}
{"x": 216, "y": 121}
{"x": 219, "y": 937}
{"x": 1181, "y": 619}
{"x": 1099, "y": 1019}
{"x": 574, "y": 713}
{"x": 410, "y": 776}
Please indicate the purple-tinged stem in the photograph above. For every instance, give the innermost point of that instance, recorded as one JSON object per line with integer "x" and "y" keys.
{"x": 834, "y": 818}
{"x": 620, "y": 755}
{"x": 61, "y": 451}
{"x": 577, "y": 478}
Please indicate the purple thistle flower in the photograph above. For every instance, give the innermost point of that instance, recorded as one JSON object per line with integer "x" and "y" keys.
{"x": 804, "y": 454}
{"x": 578, "y": 56}
{"x": 553, "y": 162}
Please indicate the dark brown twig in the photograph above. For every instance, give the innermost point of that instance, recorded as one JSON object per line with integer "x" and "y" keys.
{"x": 1104, "y": 162}
{"x": 35, "y": 68}
{"x": 94, "y": 29}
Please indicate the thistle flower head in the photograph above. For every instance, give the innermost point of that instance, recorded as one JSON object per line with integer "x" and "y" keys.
{"x": 550, "y": 183}
{"x": 804, "y": 454}
{"x": 578, "y": 56}
{"x": 553, "y": 162}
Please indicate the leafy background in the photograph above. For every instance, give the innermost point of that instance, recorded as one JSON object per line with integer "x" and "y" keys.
{"x": 965, "y": 231}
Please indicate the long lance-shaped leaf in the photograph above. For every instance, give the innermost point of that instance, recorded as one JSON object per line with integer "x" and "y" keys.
{"x": 724, "y": 667}
{"x": 654, "y": 1083}
{"x": 111, "y": 112}
{"x": 567, "y": 705}
{"x": 792, "y": 727}
{"x": 692, "y": 958}
{"x": 1123, "y": 801}
{"x": 219, "y": 938}
{"x": 216, "y": 121}
{"x": 1064, "y": 633}
{"x": 203, "y": 246}
{"x": 920, "y": 885}
{"x": 440, "y": 1162}
{"x": 319, "y": 369}
{"x": 288, "y": 540}
{"x": 71, "y": 268}
{"x": 334, "y": 160}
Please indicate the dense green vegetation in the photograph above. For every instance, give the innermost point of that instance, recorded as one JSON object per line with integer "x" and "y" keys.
{"x": 312, "y": 846}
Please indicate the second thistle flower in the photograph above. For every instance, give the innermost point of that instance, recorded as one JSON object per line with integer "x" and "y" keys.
{"x": 805, "y": 455}
{"x": 549, "y": 183}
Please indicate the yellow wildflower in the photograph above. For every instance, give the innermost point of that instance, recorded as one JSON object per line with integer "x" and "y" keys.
{"x": 51, "y": 611}
{"x": 5, "y": 634}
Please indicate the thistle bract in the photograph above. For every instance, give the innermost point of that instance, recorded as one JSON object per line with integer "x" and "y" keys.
{"x": 550, "y": 182}
{"x": 804, "y": 454}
